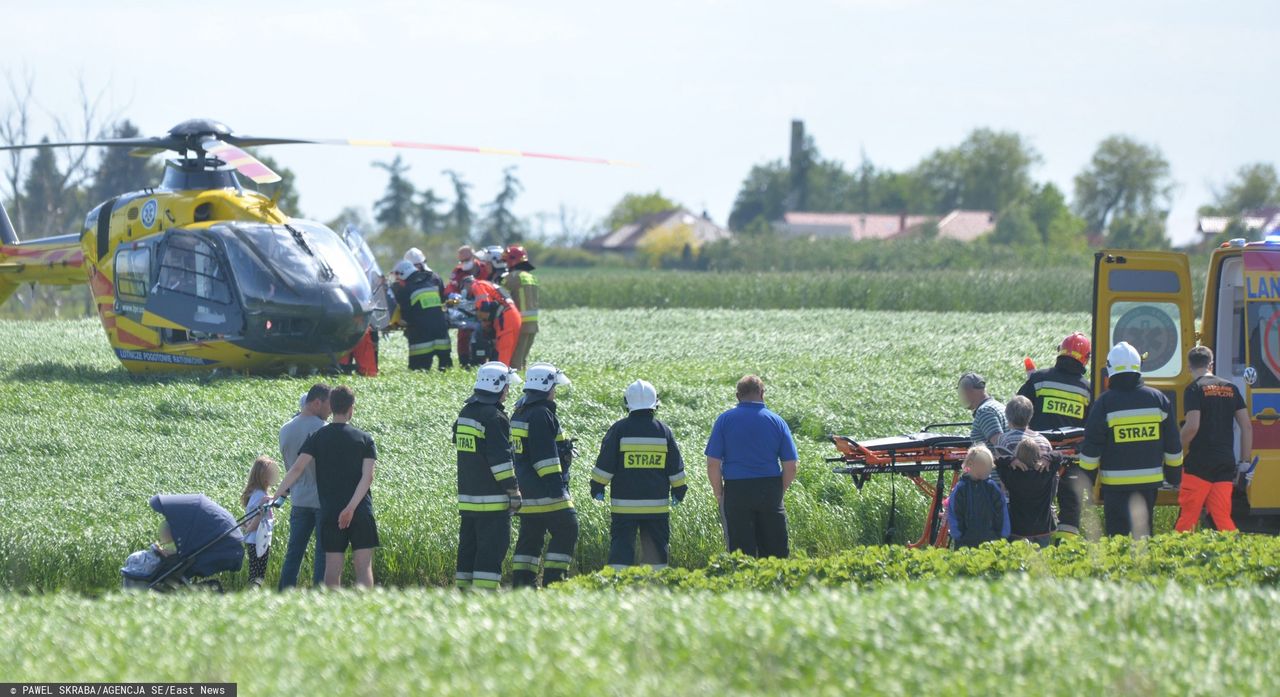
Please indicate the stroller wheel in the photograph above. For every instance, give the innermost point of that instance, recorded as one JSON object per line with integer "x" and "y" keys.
{"x": 211, "y": 585}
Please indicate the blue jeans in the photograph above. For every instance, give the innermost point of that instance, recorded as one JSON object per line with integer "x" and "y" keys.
{"x": 303, "y": 522}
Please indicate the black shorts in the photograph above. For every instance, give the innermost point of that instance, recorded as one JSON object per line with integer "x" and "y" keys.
{"x": 362, "y": 533}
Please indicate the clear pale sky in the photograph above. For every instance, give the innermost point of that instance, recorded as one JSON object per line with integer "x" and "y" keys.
{"x": 695, "y": 90}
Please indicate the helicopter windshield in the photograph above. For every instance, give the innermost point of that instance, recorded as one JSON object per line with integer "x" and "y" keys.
{"x": 301, "y": 254}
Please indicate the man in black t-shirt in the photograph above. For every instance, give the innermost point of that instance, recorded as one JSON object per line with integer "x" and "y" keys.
{"x": 1213, "y": 406}
{"x": 344, "y": 458}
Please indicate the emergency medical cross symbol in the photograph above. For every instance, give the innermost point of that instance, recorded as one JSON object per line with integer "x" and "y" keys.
{"x": 1129, "y": 434}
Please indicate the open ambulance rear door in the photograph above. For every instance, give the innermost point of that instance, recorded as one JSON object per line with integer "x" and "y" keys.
{"x": 1144, "y": 298}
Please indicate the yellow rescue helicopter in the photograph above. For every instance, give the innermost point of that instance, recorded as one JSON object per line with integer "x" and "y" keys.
{"x": 199, "y": 273}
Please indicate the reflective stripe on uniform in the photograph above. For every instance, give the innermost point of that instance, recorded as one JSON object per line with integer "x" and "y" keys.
{"x": 525, "y": 562}
{"x": 496, "y": 502}
{"x": 639, "y": 505}
{"x": 1125, "y": 417}
{"x": 505, "y": 470}
{"x": 485, "y": 584}
{"x": 1146, "y": 475}
{"x": 600, "y": 476}
{"x": 1173, "y": 459}
{"x": 423, "y": 348}
{"x": 1048, "y": 385}
{"x": 546, "y": 505}
{"x": 557, "y": 561}
{"x": 479, "y": 427}
{"x": 1088, "y": 462}
{"x": 547, "y": 466}
{"x": 425, "y": 298}
{"x": 651, "y": 445}
{"x": 677, "y": 479}
{"x": 462, "y": 576}
{"x": 520, "y": 428}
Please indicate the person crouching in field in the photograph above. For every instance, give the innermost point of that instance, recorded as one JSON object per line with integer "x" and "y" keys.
{"x": 977, "y": 511}
{"x": 1023, "y": 463}
{"x": 344, "y": 459}
{"x": 263, "y": 475}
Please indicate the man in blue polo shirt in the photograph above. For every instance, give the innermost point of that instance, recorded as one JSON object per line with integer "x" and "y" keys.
{"x": 751, "y": 461}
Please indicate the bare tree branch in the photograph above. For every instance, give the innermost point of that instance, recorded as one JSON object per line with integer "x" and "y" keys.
{"x": 15, "y": 130}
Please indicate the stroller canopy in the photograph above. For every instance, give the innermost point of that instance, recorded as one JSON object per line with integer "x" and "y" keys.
{"x": 196, "y": 521}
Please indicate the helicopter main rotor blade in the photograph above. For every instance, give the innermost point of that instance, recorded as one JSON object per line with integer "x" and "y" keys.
{"x": 246, "y": 164}
{"x": 161, "y": 144}
{"x": 250, "y": 141}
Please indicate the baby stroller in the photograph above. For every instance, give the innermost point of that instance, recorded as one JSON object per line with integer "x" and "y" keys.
{"x": 208, "y": 541}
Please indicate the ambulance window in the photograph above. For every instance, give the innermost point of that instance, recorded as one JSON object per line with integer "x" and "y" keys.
{"x": 1264, "y": 343}
{"x": 1155, "y": 329}
{"x": 133, "y": 273}
{"x": 1143, "y": 281}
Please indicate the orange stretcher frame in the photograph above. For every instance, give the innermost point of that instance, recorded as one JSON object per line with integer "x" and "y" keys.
{"x": 916, "y": 455}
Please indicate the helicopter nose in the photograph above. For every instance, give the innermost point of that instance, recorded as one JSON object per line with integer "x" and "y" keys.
{"x": 344, "y": 321}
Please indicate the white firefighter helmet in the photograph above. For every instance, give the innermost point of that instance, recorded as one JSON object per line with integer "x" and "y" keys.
{"x": 544, "y": 376}
{"x": 403, "y": 268}
{"x": 494, "y": 377}
{"x": 1123, "y": 358}
{"x": 640, "y": 395}
{"x": 415, "y": 256}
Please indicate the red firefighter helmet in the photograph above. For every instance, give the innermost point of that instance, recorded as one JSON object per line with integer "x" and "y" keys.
{"x": 515, "y": 254}
{"x": 1077, "y": 346}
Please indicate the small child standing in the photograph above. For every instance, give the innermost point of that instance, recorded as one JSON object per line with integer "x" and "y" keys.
{"x": 977, "y": 510}
{"x": 264, "y": 475}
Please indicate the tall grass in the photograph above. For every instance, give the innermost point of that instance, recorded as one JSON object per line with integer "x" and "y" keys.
{"x": 1025, "y": 289}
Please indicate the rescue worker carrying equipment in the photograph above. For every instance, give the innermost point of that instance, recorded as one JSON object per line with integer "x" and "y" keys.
{"x": 487, "y": 490}
{"x": 640, "y": 463}
{"x": 420, "y": 306}
{"x": 1060, "y": 396}
{"x": 523, "y": 287}
{"x": 543, "y": 475}
{"x": 467, "y": 265}
{"x": 1131, "y": 440}
{"x": 498, "y": 316}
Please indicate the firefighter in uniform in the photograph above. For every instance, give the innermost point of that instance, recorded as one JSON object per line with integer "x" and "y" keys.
{"x": 543, "y": 474}
{"x": 1060, "y": 396}
{"x": 1132, "y": 442}
{"x": 487, "y": 489}
{"x": 420, "y": 306}
{"x": 523, "y": 287}
{"x": 640, "y": 462}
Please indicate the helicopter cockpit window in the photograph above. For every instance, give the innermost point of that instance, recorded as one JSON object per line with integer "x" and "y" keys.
{"x": 133, "y": 273}
{"x": 190, "y": 267}
{"x": 302, "y": 254}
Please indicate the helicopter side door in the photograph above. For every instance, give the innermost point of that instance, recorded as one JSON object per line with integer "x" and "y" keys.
{"x": 192, "y": 296}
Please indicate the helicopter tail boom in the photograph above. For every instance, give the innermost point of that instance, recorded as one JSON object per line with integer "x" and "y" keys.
{"x": 55, "y": 261}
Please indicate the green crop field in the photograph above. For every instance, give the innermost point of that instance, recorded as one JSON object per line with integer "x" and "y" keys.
{"x": 86, "y": 444}
{"x": 1015, "y": 637}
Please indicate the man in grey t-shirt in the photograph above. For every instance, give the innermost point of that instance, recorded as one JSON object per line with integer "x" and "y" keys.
{"x": 304, "y": 515}
{"x": 988, "y": 414}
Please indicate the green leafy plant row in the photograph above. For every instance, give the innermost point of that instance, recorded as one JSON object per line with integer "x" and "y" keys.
{"x": 1207, "y": 560}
